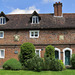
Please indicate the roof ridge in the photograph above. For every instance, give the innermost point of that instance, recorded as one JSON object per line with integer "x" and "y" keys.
{"x": 31, "y": 14}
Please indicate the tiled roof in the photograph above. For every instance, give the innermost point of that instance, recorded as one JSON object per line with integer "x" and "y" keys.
{"x": 48, "y": 21}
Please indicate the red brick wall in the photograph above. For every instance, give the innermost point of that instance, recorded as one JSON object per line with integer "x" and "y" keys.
{"x": 9, "y": 51}
{"x": 46, "y": 37}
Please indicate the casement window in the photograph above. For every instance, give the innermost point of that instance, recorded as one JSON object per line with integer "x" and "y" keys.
{"x": 34, "y": 34}
{"x": 2, "y": 53}
{"x": 2, "y": 20}
{"x": 57, "y": 53}
{"x": 1, "y": 34}
{"x": 35, "y": 20}
{"x": 38, "y": 52}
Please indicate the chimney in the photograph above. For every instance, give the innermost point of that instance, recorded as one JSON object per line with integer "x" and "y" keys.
{"x": 57, "y": 9}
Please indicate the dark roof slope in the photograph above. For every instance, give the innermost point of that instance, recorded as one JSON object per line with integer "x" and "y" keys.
{"x": 48, "y": 21}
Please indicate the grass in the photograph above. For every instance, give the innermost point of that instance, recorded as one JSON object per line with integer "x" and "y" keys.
{"x": 21, "y": 72}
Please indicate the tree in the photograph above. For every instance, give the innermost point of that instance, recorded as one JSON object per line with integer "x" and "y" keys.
{"x": 50, "y": 52}
{"x": 27, "y": 52}
{"x": 73, "y": 61}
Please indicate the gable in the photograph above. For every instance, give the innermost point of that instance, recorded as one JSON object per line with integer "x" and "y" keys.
{"x": 3, "y": 15}
{"x": 35, "y": 14}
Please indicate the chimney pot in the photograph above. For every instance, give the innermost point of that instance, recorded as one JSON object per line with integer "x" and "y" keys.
{"x": 56, "y": 2}
{"x": 58, "y": 9}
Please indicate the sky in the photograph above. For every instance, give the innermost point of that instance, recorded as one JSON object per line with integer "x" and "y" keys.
{"x": 41, "y": 6}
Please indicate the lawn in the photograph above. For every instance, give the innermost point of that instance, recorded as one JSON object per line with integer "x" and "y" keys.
{"x": 21, "y": 72}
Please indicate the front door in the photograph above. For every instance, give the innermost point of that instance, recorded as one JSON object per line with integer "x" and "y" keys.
{"x": 67, "y": 57}
{"x": 56, "y": 55}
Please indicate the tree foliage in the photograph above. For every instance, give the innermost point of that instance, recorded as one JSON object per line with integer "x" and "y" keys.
{"x": 50, "y": 51}
{"x": 27, "y": 52}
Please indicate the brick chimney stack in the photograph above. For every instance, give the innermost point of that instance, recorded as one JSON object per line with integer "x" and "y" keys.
{"x": 57, "y": 9}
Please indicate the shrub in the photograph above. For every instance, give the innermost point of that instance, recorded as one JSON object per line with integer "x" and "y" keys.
{"x": 73, "y": 61}
{"x": 27, "y": 52}
{"x": 36, "y": 64}
{"x": 46, "y": 64}
{"x": 56, "y": 65}
{"x": 53, "y": 64}
{"x": 12, "y": 64}
{"x": 50, "y": 52}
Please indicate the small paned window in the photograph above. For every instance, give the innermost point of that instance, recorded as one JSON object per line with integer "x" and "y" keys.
{"x": 2, "y": 20}
{"x": 2, "y": 53}
{"x": 35, "y": 20}
{"x": 38, "y": 52}
{"x": 34, "y": 34}
{"x": 1, "y": 34}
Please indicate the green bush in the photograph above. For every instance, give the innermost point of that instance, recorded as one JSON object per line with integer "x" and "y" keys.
{"x": 27, "y": 52}
{"x": 46, "y": 64}
{"x": 50, "y": 62}
{"x": 56, "y": 65}
{"x": 36, "y": 64}
{"x": 73, "y": 61}
{"x": 50, "y": 52}
{"x": 53, "y": 64}
{"x": 12, "y": 64}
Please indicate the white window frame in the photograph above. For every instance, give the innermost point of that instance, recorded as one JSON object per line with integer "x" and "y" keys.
{"x": 66, "y": 49}
{"x": 57, "y": 49}
{"x": 34, "y": 33}
{"x": 3, "y": 34}
{"x": 39, "y": 52}
{"x": 4, "y": 53}
{"x": 2, "y": 20}
{"x": 36, "y": 17}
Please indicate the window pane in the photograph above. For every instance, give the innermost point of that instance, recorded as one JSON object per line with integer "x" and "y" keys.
{"x": 32, "y": 33}
{"x": 36, "y": 19}
{"x": 2, "y": 53}
{"x": 4, "y": 20}
{"x": 37, "y": 52}
{"x": 36, "y": 34}
{"x": 33, "y": 20}
{"x": 56, "y": 54}
{"x": 1, "y": 34}
{"x": 1, "y": 20}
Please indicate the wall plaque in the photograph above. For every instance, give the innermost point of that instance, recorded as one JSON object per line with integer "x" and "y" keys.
{"x": 61, "y": 37}
{"x": 16, "y": 37}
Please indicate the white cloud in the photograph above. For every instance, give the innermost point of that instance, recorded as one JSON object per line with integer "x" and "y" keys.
{"x": 51, "y": 1}
{"x": 25, "y": 11}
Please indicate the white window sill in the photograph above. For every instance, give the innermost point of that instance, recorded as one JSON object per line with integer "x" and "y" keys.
{"x": 1, "y": 37}
{"x": 34, "y": 23}
{"x": 34, "y": 37}
{"x": 2, "y": 57}
{"x": 2, "y": 24}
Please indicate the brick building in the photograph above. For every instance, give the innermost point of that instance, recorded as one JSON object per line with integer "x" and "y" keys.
{"x": 57, "y": 29}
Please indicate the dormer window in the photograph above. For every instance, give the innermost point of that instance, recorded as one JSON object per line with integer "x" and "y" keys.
{"x": 2, "y": 20}
{"x": 35, "y": 20}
